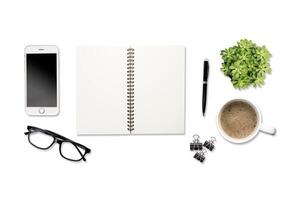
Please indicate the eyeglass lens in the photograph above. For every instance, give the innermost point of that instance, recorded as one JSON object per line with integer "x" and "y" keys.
{"x": 67, "y": 149}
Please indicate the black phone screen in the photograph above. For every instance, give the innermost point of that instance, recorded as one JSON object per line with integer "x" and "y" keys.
{"x": 41, "y": 77}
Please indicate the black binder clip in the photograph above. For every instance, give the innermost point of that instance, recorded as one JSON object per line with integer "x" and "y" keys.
{"x": 210, "y": 143}
{"x": 196, "y": 145}
{"x": 200, "y": 156}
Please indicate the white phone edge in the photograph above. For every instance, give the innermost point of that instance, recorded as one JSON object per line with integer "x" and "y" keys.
{"x": 46, "y": 111}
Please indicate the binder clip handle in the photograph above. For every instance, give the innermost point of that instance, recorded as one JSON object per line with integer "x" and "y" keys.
{"x": 203, "y": 152}
{"x": 212, "y": 140}
{"x": 196, "y": 137}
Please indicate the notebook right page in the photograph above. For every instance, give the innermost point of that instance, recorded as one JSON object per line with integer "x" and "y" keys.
{"x": 159, "y": 90}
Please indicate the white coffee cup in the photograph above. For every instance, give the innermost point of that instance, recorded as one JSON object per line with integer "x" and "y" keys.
{"x": 260, "y": 127}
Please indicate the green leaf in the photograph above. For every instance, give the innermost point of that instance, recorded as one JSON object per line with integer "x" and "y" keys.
{"x": 246, "y": 64}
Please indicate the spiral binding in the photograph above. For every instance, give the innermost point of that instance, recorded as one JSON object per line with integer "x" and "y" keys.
{"x": 130, "y": 89}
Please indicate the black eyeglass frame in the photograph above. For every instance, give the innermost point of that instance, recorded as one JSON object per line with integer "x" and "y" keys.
{"x": 57, "y": 139}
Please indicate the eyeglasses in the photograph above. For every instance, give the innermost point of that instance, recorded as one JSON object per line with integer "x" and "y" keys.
{"x": 68, "y": 149}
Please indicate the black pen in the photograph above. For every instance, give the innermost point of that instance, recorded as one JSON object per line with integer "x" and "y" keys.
{"x": 204, "y": 92}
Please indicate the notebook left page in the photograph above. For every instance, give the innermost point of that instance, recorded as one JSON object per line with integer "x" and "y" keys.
{"x": 101, "y": 90}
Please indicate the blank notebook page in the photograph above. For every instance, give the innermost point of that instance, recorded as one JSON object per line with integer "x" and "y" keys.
{"x": 101, "y": 90}
{"x": 159, "y": 90}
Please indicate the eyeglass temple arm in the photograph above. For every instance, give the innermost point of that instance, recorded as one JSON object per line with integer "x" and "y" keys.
{"x": 82, "y": 155}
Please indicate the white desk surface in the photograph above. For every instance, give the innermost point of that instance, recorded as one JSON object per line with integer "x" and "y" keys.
{"x": 153, "y": 167}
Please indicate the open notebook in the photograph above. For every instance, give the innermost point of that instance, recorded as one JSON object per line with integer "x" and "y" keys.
{"x": 130, "y": 90}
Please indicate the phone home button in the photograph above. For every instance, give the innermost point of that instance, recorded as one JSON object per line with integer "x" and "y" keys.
{"x": 42, "y": 110}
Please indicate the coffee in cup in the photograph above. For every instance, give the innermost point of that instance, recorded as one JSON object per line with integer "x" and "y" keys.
{"x": 239, "y": 121}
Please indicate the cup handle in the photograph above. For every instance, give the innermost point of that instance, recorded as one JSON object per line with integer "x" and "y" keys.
{"x": 267, "y": 129}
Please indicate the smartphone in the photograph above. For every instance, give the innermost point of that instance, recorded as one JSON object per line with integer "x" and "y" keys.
{"x": 41, "y": 80}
